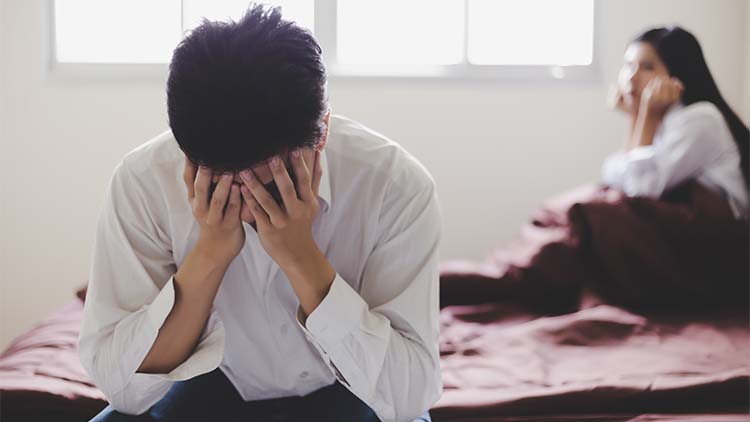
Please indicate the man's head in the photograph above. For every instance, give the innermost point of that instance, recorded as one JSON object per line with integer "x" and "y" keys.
{"x": 240, "y": 92}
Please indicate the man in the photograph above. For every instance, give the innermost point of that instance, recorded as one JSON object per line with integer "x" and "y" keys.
{"x": 263, "y": 260}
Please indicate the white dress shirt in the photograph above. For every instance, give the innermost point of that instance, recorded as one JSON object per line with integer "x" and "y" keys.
{"x": 692, "y": 142}
{"x": 376, "y": 331}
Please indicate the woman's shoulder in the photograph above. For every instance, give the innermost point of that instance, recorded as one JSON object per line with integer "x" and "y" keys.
{"x": 700, "y": 120}
{"x": 701, "y": 113}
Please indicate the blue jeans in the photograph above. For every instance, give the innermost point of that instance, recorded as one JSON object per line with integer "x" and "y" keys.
{"x": 212, "y": 397}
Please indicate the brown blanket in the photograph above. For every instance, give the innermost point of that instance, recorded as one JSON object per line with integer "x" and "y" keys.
{"x": 685, "y": 251}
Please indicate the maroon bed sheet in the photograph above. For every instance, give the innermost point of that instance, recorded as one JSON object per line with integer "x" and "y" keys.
{"x": 603, "y": 304}
{"x": 41, "y": 377}
{"x": 502, "y": 361}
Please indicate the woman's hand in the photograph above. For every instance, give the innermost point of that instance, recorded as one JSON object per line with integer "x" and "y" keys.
{"x": 659, "y": 94}
{"x": 221, "y": 233}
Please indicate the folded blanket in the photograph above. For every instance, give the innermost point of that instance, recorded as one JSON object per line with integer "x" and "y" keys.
{"x": 683, "y": 251}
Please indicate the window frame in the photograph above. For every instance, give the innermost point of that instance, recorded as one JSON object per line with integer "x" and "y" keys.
{"x": 325, "y": 32}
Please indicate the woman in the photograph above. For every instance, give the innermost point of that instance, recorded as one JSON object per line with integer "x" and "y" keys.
{"x": 680, "y": 126}
{"x": 647, "y": 243}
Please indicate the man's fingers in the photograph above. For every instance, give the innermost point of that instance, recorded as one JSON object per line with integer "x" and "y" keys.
{"x": 304, "y": 186}
{"x": 259, "y": 215}
{"x": 261, "y": 196}
{"x": 201, "y": 185}
{"x": 317, "y": 174}
{"x": 283, "y": 182}
{"x": 234, "y": 205}
{"x": 188, "y": 177}
{"x": 245, "y": 214}
{"x": 219, "y": 199}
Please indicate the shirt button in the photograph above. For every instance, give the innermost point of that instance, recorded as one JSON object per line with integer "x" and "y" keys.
{"x": 304, "y": 374}
{"x": 284, "y": 329}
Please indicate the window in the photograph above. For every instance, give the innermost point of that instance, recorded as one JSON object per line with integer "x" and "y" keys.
{"x": 143, "y": 31}
{"x": 193, "y": 11}
{"x": 447, "y": 38}
{"x": 530, "y": 32}
{"x": 111, "y": 31}
{"x": 397, "y": 32}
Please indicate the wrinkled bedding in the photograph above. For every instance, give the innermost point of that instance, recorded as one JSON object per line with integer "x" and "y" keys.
{"x": 605, "y": 306}
{"x": 41, "y": 377}
{"x": 502, "y": 360}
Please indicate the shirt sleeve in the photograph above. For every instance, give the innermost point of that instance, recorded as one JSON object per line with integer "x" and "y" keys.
{"x": 688, "y": 146}
{"x": 382, "y": 342}
{"x": 130, "y": 294}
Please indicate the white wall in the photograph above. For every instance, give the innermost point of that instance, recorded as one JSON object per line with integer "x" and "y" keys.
{"x": 4, "y": 202}
{"x": 496, "y": 148}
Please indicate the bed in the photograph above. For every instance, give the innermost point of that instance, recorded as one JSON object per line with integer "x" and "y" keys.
{"x": 531, "y": 333}
{"x": 500, "y": 363}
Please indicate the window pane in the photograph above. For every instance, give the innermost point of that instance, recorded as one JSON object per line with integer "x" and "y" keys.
{"x": 300, "y": 11}
{"x": 398, "y": 32}
{"x": 116, "y": 31}
{"x": 531, "y": 32}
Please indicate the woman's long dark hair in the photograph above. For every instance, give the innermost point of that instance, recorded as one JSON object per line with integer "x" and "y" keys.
{"x": 683, "y": 56}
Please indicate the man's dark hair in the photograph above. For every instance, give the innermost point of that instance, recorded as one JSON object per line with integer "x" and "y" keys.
{"x": 241, "y": 92}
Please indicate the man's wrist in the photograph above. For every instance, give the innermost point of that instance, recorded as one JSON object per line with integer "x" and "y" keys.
{"x": 313, "y": 269}
{"x": 208, "y": 256}
{"x": 201, "y": 268}
{"x": 311, "y": 277}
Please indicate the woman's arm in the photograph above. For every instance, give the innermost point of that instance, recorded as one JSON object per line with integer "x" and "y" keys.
{"x": 657, "y": 97}
{"x": 690, "y": 143}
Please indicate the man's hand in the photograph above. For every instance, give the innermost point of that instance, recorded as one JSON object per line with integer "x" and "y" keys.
{"x": 221, "y": 233}
{"x": 199, "y": 276}
{"x": 285, "y": 230}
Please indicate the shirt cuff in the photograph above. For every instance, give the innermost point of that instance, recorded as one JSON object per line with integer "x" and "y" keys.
{"x": 162, "y": 305}
{"x": 208, "y": 353}
{"x": 641, "y": 153}
{"x": 340, "y": 313}
{"x": 641, "y": 176}
{"x": 632, "y": 172}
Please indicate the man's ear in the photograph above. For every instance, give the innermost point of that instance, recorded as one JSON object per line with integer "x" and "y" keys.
{"x": 324, "y": 138}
